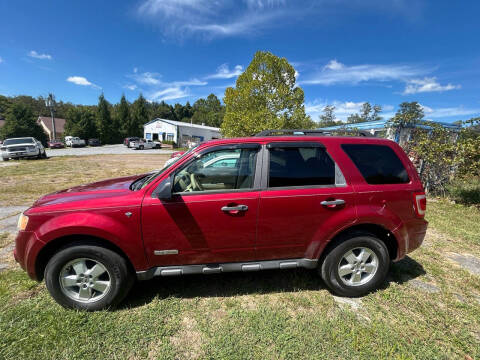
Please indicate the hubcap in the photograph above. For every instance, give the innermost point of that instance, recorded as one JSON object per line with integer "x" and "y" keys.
{"x": 358, "y": 266}
{"x": 85, "y": 280}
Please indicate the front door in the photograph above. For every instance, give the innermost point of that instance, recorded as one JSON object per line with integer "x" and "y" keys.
{"x": 212, "y": 217}
{"x": 305, "y": 198}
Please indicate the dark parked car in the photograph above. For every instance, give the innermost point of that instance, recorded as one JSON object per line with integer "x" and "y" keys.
{"x": 94, "y": 142}
{"x": 55, "y": 144}
{"x": 128, "y": 140}
{"x": 344, "y": 206}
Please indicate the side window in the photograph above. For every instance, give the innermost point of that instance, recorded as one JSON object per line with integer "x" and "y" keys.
{"x": 378, "y": 164}
{"x": 297, "y": 166}
{"x": 218, "y": 170}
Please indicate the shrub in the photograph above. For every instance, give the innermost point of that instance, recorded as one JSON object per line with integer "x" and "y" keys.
{"x": 465, "y": 191}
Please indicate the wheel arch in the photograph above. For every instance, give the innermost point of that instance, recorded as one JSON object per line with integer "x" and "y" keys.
{"x": 378, "y": 231}
{"x": 60, "y": 243}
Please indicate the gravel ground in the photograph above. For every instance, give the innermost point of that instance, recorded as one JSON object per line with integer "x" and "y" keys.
{"x": 106, "y": 149}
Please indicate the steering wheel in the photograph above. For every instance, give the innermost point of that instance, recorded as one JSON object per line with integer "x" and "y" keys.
{"x": 194, "y": 183}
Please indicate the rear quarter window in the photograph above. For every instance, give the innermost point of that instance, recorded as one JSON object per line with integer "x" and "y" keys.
{"x": 378, "y": 164}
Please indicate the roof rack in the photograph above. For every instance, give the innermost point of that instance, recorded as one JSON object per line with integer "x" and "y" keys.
{"x": 310, "y": 132}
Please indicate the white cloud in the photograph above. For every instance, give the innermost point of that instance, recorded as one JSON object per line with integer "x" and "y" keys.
{"x": 343, "y": 109}
{"x": 427, "y": 84}
{"x": 168, "y": 94}
{"x": 1, "y": 60}
{"x": 449, "y": 111}
{"x": 130, "y": 87}
{"x": 36, "y": 55}
{"x": 223, "y": 72}
{"x": 213, "y": 18}
{"x": 333, "y": 65}
{"x": 337, "y": 73}
{"x": 82, "y": 81}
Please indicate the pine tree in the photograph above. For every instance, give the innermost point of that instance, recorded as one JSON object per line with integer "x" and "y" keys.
{"x": 125, "y": 121}
{"x": 104, "y": 121}
{"x": 140, "y": 115}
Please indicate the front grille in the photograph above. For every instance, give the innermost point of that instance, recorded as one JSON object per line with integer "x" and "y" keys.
{"x": 17, "y": 148}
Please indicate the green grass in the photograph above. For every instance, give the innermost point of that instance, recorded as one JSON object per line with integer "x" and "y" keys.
{"x": 267, "y": 315}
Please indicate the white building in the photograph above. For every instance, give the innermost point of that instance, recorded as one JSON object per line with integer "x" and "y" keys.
{"x": 179, "y": 132}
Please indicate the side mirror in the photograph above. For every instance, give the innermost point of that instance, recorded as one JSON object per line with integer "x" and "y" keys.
{"x": 164, "y": 190}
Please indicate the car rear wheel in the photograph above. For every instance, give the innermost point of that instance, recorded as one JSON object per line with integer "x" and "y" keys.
{"x": 356, "y": 266}
{"x": 140, "y": 147}
{"x": 88, "y": 277}
{"x": 5, "y": 158}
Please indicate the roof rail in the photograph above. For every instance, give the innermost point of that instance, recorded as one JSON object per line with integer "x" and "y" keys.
{"x": 310, "y": 132}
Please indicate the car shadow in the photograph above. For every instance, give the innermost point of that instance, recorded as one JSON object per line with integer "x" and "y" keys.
{"x": 235, "y": 284}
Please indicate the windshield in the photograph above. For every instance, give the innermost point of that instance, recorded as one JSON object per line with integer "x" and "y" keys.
{"x": 18, "y": 141}
{"x": 149, "y": 178}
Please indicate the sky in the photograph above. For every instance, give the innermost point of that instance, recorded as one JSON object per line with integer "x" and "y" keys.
{"x": 345, "y": 52}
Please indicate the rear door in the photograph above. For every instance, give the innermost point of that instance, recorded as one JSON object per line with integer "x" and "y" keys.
{"x": 305, "y": 199}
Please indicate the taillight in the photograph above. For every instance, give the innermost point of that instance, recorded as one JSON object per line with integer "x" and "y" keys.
{"x": 420, "y": 204}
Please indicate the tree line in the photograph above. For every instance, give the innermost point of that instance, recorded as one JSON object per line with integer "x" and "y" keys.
{"x": 108, "y": 122}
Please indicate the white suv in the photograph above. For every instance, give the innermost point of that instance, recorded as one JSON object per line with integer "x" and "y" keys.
{"x": 16, "y": 148}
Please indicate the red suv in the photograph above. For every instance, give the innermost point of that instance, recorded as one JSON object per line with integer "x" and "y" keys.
{"x": 345, "y": 206}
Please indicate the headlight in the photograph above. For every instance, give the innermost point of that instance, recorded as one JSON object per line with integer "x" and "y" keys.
{"x": 22, "y": 222}
{"x": 31, "y": 147}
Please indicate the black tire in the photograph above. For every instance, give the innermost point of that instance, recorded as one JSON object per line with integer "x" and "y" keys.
{"x": 140, "y": 147}
{"x": 329, "y": 269}
{"x": 5, "y": 158}
{"x": 121, "y": 278}
{"x": 44, "y": 154}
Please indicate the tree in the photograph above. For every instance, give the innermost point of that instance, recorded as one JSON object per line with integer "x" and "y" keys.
{"x": 209, "y": 111}
{"x": 125, "y": 121}
{"x": 367, "y": 113}
{"x": 328, "y": 117}
{"x": 80, "y": 121}
{"x": 408, "y": 114}
{"x": 105, "y": 125}
{"x": 265, "y": 97}
{"x": 21, "y": 122}
{"x": 140, "y": 116}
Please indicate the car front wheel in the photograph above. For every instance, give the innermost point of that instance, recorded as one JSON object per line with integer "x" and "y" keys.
{"x": 356, "y": 266}
{"x": 88, "y": 277}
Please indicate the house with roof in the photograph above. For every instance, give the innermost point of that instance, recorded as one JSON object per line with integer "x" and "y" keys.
{"x": 181, "y": 133}
{"x": 46, "y": 124}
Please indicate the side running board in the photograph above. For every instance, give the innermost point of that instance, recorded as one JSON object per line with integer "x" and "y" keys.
{"x": 226, "y": 267}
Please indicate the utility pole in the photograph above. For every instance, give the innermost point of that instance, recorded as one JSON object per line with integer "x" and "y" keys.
{"x": 50, "y": 103}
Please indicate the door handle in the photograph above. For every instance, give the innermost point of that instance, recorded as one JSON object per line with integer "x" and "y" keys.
{"x": 332, "y": 203}
{"x": 235, "y": 208}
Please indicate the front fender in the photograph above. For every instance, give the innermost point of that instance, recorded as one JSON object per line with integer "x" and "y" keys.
{"x": 110, "y": 225}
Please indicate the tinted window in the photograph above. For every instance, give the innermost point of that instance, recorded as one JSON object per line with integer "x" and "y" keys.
{"x": 292, "y": 166}
{"x": 218, "y": 170}
{"x": 378, "y": 163}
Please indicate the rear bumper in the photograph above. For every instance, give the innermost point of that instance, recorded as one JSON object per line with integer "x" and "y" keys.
{"x": 27, "y": 247}
{"x": 410, "y": 236}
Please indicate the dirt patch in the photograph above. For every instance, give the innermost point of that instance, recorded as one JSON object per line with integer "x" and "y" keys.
{"x": 421, "y": 285}
{"x": 188, "y": 341}
{"x": 29, "y": 294}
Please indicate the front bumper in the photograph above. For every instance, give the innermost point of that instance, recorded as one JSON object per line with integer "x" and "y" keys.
{"x": 27, "y": 247}
{"x": 20, "y": 154}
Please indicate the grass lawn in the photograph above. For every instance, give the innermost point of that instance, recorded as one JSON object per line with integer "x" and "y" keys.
{"x": 430, "y": 307}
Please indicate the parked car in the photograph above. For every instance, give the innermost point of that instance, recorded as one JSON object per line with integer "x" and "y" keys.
{"x": 55, "y": 144}
{"x": 128, "y": 140}
{"x": 174, "y": 157}
{"x": 344, "y": 206}
{"x": 94, "y": 142}
{"x": 145, "y": 144}
{"x": 25, "y": 147}
{"x": 74, "y": 141}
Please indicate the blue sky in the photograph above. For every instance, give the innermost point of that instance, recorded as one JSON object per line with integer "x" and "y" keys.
{"x": 345, "y": 51}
